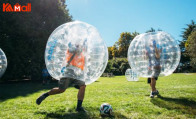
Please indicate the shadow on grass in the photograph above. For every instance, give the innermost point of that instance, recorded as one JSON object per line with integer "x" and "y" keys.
{"x": 59, "y": 114}
{"x": 71, "y": 114}
{"x": 183, "y": 105}
{"x": 13, "y": 90}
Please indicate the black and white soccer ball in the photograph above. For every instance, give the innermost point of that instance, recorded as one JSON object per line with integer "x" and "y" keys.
{"x": 106, "y": 109}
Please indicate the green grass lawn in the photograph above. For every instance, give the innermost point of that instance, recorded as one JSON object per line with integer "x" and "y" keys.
{"x": 128, "y": 99}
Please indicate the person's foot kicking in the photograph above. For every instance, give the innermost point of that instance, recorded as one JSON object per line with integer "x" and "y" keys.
{"x": 41, "y": 98}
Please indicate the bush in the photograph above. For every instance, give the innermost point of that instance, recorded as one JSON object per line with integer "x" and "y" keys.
{"x": 117, "y": 66}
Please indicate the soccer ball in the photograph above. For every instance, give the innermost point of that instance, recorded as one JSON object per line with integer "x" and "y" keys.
{"x": 106, "y": 109}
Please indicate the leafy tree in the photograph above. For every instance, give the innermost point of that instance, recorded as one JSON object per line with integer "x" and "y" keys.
{"x": 152, "y": 30}
{"x": 187, "y": 31}
{"x": 117, "y": 66}
{"x": 114, "y": 51}
{"x": 185, "y": 58}
{"x": 23, "y": 35}
{"x": 110, "y": 52}
{"x": 124, "y": 66}
{"x": 191, "y": 48}
{"x": 124, "y": 41}
{"x": 108, "y": 68}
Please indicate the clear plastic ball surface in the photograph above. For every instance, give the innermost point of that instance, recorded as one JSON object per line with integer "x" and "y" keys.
{"x": 154, "y": 54}
{"x": 131, "y": 75}
{"x": 3, "y": 63}
{"x": 76, "y": 50}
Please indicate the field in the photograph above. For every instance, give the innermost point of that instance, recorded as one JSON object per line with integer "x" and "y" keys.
{"x": 129, "y": 99}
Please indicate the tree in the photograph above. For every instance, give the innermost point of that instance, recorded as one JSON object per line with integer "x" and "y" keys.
{"x": 185, "y": 58}
{"x": 152, "y": 30}
{"x": 191, "y": 48}
{"x": 114, "y": 51}
{"x": 23, "y": 35}
{"x": 187, "y": 31}
{"x": 124, "y": 66}
{"x": 108, "y": 68}
{"x": 124, "y": 42}
{"x": 110, "y": 52}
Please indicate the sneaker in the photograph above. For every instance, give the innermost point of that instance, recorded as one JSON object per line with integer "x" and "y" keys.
{"x": 152, "y": 94}
{"x": 156, "y": 92}
{"x": 40, "y": 99}
{"x": 80, "y": 109}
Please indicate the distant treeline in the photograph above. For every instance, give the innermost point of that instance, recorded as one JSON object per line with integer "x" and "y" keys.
{"x": 120, "y": 48}
{"x": 23, "y": 38}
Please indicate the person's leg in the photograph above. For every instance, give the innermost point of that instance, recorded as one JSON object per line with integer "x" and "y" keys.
{"x": 153, "y": 84}
{"x": 63, "y": 85}
{"x": 51, "y": 92}
{"x": 149, "y": 82}
{"x": 81, "y": 94}
{"x": 153, "y": 87}
{"x": 56, "y": 90}
{"x": 156, "y": 91}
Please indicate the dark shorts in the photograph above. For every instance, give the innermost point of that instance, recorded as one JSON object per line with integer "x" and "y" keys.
{"x": 156, "y": 70}
{"x": 64, "y": 83}
{"x": 149, "y": 79}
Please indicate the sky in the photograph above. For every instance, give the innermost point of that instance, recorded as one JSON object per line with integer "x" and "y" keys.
{"x": 112, "y": 17}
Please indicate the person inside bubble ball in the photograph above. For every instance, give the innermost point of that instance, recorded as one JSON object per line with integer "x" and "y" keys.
{"x": 75, "y": 59}
{"x": 153, "y": 54}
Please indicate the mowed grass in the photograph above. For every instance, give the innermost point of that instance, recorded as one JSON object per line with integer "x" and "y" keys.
{"x": 129, "y": 99}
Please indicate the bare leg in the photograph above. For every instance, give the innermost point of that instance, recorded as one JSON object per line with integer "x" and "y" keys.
{"x": 51, "y": 92}
{"x": 153, "y": 84}
{"x": 81, "y": 93}
{"x": 150, "y": 85}
{"x": 55, "y": 91}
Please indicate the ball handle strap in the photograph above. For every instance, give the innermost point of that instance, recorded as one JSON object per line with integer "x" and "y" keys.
{"x": 71, "y": 59}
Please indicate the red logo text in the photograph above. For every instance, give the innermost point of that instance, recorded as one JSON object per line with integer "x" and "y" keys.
{"x": 16, "y": 8}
